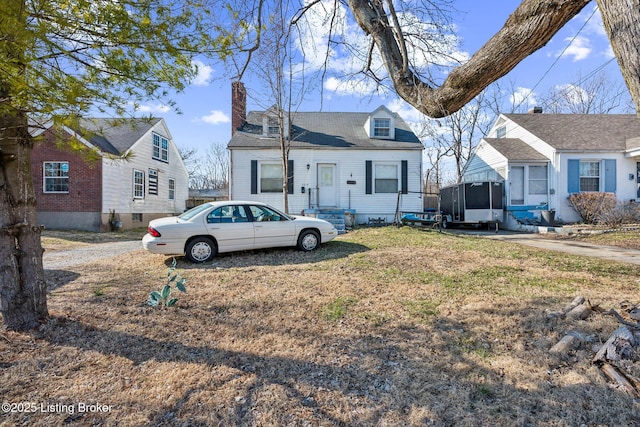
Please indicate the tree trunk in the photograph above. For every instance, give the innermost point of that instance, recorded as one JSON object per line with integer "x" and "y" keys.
{"x": 23, "y": 300}
{"x": 621, "y": 20}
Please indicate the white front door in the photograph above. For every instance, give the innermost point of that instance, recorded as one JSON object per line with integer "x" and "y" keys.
{"x": 327, "y": 185}
{"x": 516, "y": 179}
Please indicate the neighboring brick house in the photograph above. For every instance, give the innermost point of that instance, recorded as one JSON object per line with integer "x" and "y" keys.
{"x": 108, "y": 173}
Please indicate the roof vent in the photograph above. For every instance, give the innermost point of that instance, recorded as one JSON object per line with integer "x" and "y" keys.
{"x": 535, "y": 110}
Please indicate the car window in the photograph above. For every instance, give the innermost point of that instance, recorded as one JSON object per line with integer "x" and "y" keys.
{"x": 219, "y": 215}
{"x": 224, "y": 214}
{"x": 263, "y": 213}
{"x": 194, "y": 211}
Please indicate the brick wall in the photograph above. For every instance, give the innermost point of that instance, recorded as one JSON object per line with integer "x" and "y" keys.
{"x": 85, "y": 177}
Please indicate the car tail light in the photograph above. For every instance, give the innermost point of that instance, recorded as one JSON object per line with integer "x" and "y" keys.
{"x": 153, "y": 232}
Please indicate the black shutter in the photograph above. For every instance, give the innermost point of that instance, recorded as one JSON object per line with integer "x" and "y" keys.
{"x": 368, "y": 177}
{"x": 405, "y": 177}
{"x": 254, "y": 177}
{"x": 289, "y": 176}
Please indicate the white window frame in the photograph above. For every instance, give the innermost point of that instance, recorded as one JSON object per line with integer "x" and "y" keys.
{"x": 381, "y": 167}
{"x": 501, "y": 132}
{"x": 160, "y": 148}
{"x": 138, "y": 184}
{"x": 533, "y": 180}
{"x": 381, "y": 127}
{"x": 60, "y": 175}
{"x": 269, "y": 166}
{"x": 585, "y": 174}
{"x": 172, "y": 189}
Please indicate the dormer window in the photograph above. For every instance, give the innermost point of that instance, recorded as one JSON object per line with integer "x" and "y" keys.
{"x": 381, "y": 128}
{"x": 380, "y": 124}
{"x": 273, "y": 128}
{"x": 501, "y": 132}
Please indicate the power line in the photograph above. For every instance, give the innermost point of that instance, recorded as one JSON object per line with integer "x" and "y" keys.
{"x": 557, "y": 58}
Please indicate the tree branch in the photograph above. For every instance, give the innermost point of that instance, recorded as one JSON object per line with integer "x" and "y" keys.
{"x": 528, "y": 29}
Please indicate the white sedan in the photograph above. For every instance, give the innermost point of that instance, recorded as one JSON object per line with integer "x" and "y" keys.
{"x": 216, "y": 227}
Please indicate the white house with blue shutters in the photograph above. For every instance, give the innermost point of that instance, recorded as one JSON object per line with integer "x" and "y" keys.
{"x": 366, "y": 164}
{"x": 543, "y": 158}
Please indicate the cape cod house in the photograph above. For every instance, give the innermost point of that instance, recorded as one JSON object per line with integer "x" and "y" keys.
{"x": 120, "y": 174}
{"x": 543, "y": 158}
{"x": 365, "y": 164}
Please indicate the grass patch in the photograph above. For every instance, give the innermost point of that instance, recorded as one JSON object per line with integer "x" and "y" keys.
{"x": 382, "y": 326}
{"x": 337, "y": 309}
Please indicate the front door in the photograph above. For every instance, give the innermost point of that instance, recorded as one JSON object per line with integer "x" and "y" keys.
{"x": 516, "y": 179}
{"x": 327, "y": 185}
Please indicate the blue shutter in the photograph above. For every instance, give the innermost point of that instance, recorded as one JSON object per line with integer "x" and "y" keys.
{"x": 289, "y": 176}
{"x": 368, "y": 177}
{"x": 254, "y": 177}
{"x": 610, "y": 175}
{"x": 405, "y": 177}
{"x": 573, "y": 176}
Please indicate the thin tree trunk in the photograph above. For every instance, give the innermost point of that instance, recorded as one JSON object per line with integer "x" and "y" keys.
{"x": 23, "y": 302}
{"x": 621, "y": 20}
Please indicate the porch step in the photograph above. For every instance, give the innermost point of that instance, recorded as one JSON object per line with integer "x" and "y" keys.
{"x": 334, "y": 217}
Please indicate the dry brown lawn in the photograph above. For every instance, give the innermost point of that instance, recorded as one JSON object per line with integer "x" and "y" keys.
{"x": 383, "y": 326}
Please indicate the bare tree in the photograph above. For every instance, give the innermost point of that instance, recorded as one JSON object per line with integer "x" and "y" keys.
{"x": 591, "y": 94}
{"x": 454, "y": 137}
{"x": 210, "y": 171}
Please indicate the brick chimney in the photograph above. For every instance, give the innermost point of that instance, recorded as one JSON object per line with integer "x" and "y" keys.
{"x": 238, "y": 106}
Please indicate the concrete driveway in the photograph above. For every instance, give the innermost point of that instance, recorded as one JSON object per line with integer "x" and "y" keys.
{"x": 613, "y": 253}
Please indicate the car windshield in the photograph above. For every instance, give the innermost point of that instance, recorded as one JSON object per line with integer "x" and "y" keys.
{"x": 194, "y": 211}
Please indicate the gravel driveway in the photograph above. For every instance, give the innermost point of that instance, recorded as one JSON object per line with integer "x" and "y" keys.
{"x": 57, "y": 260}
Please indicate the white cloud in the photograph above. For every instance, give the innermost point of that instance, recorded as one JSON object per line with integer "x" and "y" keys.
{"x": 215, "y": 117}
{"x": 154, "y": 108}
{"x": 204, "y": 73}
{"x": 408, "y": 113}
{"x": 579, "y": 49}
{"x": 522, "y": 95}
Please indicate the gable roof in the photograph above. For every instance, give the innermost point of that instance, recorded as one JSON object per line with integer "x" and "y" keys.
{"x": 114, "y": 136}
{"x": 325, "y": 130}
{"x": 514, "y": 149}
{"x": 598, "y": 132}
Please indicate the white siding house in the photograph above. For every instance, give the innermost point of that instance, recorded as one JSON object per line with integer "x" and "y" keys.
{"x": 368, "y": 164}
{"x": 543, "y": 158}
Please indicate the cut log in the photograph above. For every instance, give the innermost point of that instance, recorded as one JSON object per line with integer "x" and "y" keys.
{"x": 619, "y": 378}
{"x": 564, "y": 345}
{"x": 580, "y": 312}
{"x": 561, "y": 313}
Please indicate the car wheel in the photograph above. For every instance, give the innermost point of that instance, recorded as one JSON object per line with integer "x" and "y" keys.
{"x": 201, "y": 249}
{"x": 309, "y": 240}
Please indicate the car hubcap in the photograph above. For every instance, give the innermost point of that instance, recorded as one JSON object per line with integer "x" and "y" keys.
{"x": 201, "y": 251}
{"x": 309, "y": 242}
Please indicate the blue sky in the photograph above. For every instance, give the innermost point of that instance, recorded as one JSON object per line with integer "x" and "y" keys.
{"x": 579, "y": 48}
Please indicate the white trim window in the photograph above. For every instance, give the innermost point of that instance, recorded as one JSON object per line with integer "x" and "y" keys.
{"x": 589, "y": 175}
{"x": 138, "y": 184}
{"x": 382, "y": 128}
{"x": 271, "y": 177}
{"x": 386, "y": 178}
{"x": 172, "y": 189}
{"x": 160, "y": 148}
{"x": 55, "y": 177}
{"x": 538, "y": 179}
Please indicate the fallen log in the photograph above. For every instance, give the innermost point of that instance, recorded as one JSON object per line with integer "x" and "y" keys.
{"x": 620, "y": 379}
{"x": 561, "y": 313}
{"x": 580, "y": 312}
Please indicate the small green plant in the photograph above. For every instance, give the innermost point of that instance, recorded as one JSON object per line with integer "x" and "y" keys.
{"x": 163, "y": 298}
{"x": 338, "y": 308}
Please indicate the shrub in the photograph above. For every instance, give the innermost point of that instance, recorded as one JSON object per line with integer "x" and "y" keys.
{"x": 163, "y": 297}
{"x": 602, "y": 208}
